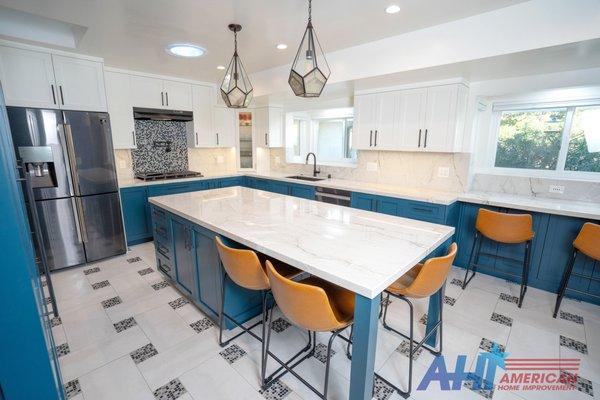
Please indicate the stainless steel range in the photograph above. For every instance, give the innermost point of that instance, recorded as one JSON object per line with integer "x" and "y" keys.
{"x": 155, "y": 176}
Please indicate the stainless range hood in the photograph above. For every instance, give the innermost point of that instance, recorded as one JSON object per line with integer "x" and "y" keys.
{"x": 161, "y": 115}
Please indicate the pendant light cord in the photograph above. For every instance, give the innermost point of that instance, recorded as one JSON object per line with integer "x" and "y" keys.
{"x": 309, "y": 10}
{"x": 235, "y": 41}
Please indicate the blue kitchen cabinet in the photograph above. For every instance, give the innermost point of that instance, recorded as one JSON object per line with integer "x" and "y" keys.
{"x": 184, "y": 256}
{"x": 175, "y": 188}
{"x": 229, "y": 182}
{"x": 363, "y": 201}
{"x": 389, "y": 205}
{"x": 260, "y": 184}
{"x": 134, "y": 202}
{"x": 303, "y": 191}
{"x": 278, "y": 187}
{"x": 429, "y": 212}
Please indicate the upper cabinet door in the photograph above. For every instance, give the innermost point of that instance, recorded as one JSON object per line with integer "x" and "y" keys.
{"x": 365, "y": 110}
{"x": 440, "y": 118}
{"x": 202, "y": 100}
{"x": 411, "y": 119}
{"x": 120, "y": 109}
{"x": 275, "y": 127}
{"x": 147, "y": 92}
{"x": 80, "y": 84}
{"x": 27, "y": 78}
{"x": 384, "y": 129}
{"x": 224, "y": 126}
{"x": 260, "y": 121}
{"x": 178, "y": 95}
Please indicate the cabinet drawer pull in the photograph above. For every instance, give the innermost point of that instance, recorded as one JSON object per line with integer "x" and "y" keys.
{"x": 162, "y": 98}
{"x": 370, "y": 138}
{"x": 419, "y": 138}
{"x": 196, "y": 138}
{"x": 425, "y": 138}
{"x": 427, "y": 210}
{"x": 62, "y": 96}
{"x": 163, "y": 250}
{"x": 161, "y": 231}
{"x": 167, "y": 97}
{"x": 217, "y": 139}
{"x": 133, "y": 136}
{"x": 53, "y": 94}
{"x": 376, "y": 138}
{"x": 163, "y": 266}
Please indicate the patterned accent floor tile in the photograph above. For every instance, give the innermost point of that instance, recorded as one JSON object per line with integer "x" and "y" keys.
{"x": 100, "y": 285}
{"x": 62, "y": 350}
{"x": 582, "y": 385}
{"x": 449, "y": 300}
{"x": 72, "y": 388}
{"x": 202, "y": 325}
{"x": 111, "y": 302}
{"x": 276, "y": 391}
{"x": 404, "y": 349}
{"x": 502, "y": 319}
{"x": 160, "y": 285}
{"x": 134, "y": 259}
{"x": 180, "y": 302}
{"x": 488, "y": 345}
{"x": 510, "y": 298}
{"x": 578, "y": 319}
{"x": 56, "y": 321}
{"x": 573, "y": 344}
{"x": 423, "y": 319}
{"x": 125, "y": 324}
{"x": 321, "y": 352}
{"x": 232, "y": 353}
{"x": 91, "y": 270}
{"x": 171, "y": 391}
{"x": 145, "y": 271}
{"x": 280, "y": 325}
{"x": 143, "y": 353}
{"x": 481, "y": 390}
{"x": 456, "y": 282}
{"x": 381, "y": 390}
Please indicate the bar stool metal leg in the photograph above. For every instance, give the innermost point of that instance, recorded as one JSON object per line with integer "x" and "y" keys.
{"x": 564, "y": 282}
{"x": 475, "y": 251}
{"x": 525, "y": 276}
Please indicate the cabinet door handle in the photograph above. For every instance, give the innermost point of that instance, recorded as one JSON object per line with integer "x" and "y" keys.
{"x": 162, "y": 98}
{"x": 375, "y": 138}
{"x": 217, "y": 139}
{"x": 196, "y": 138}
{"x": 419, "y": 138}
{"x": 370, "y": 138}
{"x": 167, "y": 97}
{"x": 425, "y": 139}
{"x": 266, "y": 139}
{"x": 53, "y": 94}
{"x": 62, "y": 96}
{"x": 133, "y": 136}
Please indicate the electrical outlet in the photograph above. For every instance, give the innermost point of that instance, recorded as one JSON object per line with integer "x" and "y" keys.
{"x": 443, "y": 172}
{"x": 220, "y": 159}
{"x": 557, "y": 189}
{"x": 372, "y": 166}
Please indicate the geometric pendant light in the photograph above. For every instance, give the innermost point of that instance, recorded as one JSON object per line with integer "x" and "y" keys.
{"x": 310, "y": 70}
{"x": 236, "y": 89}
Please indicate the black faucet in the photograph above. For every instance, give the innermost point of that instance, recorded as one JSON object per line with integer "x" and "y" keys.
{"x": 315, "y": 170}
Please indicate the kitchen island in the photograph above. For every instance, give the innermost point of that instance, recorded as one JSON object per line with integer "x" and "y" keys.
{"x": 361, "y": 251}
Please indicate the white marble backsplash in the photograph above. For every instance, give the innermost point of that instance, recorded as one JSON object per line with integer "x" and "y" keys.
{"x": 412, "y": 169}
{"x": 587, "y": 191}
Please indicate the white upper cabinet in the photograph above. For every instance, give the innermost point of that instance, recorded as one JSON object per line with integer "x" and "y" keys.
{"x": 148, "y": 92}
{"x": 268, "y": 126}
{"x": 80, "y": 83}
{"x": 40, "y": 79}
{"x": 423, "y": 119}
{"x": 223, "y": 127}
{"x": 202, "y": 134}
{"x": 120, "y": 109}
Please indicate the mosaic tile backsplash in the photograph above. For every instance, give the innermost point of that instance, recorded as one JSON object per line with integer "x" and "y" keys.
{"x": 161, "y": 147}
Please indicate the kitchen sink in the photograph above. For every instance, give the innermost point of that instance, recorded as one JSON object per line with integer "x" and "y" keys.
{"x": 305, "y": 178}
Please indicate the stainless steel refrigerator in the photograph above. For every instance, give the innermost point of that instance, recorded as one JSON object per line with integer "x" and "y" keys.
{"x": 69, "y": 157}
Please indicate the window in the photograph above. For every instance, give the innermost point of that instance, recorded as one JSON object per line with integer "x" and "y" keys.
{"x": 327, "y": 133}
{"x": 560, "y": 141}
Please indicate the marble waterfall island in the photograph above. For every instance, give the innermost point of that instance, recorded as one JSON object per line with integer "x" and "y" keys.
{"x": 362, "y": 251}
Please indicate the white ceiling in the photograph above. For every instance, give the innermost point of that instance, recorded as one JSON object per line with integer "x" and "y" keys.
{"x": 132, "y": 34}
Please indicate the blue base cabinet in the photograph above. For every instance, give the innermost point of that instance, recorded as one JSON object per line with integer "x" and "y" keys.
{"x": 134, "y": 202}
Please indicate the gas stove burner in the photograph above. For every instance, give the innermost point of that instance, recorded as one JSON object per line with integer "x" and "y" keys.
{"x": 155, "y": 176}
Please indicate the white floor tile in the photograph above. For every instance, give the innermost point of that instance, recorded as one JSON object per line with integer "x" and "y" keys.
{"x": 164, "y": 327}
{"x": 86, "y": 325}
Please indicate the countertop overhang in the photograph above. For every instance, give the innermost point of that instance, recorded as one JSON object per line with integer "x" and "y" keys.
{"x": 359, "y": 250}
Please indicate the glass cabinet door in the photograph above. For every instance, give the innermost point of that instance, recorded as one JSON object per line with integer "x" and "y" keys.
{"x": 246, "y": 145}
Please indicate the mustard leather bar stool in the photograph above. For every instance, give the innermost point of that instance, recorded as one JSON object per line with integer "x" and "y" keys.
{"x": 312, "y": 304}
{"x": 246, "y": 269}
{"x": 421, "y": 281}
{"x": 513, "y": 229}
{"x": 587, "y": 243}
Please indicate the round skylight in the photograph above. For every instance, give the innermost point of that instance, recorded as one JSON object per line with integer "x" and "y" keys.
{"x": 185, "y": 50}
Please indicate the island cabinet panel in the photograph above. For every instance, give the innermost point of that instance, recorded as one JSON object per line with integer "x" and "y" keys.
{"x": 133, "y": 203}
{"x": 363, "y": 201}
{"x": 208, "y": 269}
{"x": 234, "y": 181}
{"x": 303, "y": 191}
{"x": 184, "y": 257}
{"x": 278, "y": 187}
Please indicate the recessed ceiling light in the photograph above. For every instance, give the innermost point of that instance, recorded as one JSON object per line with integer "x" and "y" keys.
{"x": 220, "y": 67}
{"x": 185, "y": 50}
{"x": 393, "y": 9}
{"x": 282, "y": 46}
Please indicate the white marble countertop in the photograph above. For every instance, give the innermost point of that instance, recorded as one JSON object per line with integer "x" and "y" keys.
{"x": 569, "y": 208}
{"x": 359, "y": 250}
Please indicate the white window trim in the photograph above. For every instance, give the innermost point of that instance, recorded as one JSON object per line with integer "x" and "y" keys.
{"x": 559, "y": 172}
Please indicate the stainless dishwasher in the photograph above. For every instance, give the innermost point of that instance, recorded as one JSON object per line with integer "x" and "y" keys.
{"x": 333, "y": 196}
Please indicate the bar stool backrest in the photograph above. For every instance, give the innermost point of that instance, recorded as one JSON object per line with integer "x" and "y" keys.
{"x": 503, "y": 227}
{"x": 307, "y": 306}
{"x": 432, "y": 275}
{"x": 588, "y": 240}
{"x": 242, "y": 266}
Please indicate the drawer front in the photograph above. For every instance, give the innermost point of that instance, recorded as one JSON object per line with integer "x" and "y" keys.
{"x": 166, "y": 189}
{"x": 163, "y": 248}
{"x": 228, "y": 182}
{"x": 165, "y": 266}
{"x": 424, "y": 211}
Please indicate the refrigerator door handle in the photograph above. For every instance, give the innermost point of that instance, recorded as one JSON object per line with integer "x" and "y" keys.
{"x": 63, "y": 140}
{"x": 81, "y": 220}
{"x": 77, "y": 224}
{"x": 72, "y": 160}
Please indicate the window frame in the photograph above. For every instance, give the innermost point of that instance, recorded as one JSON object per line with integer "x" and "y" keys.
{"x": 559, "y": 172}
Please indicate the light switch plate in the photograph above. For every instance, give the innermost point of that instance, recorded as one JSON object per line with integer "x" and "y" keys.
{"x": 556, "y": 189}
{"x": 443, "y": 172}
{"x": 372, "y": 166}
{"x": 220, "y": 159}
